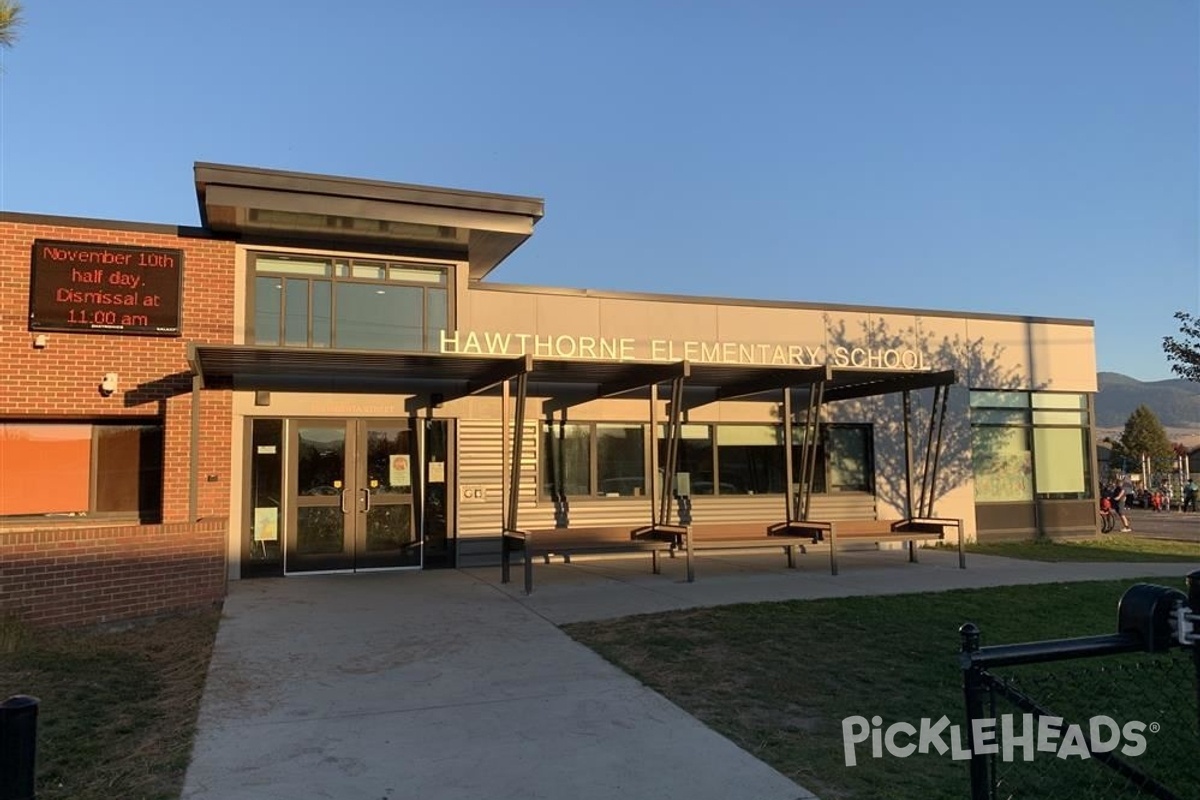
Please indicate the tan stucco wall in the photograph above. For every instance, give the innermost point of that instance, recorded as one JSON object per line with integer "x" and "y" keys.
{"x": 987, "y": 352}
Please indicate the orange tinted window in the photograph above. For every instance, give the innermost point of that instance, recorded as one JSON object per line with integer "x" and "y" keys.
{"x": 44, "y": 469}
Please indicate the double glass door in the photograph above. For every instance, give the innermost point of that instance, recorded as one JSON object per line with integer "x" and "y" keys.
{"x": 354, "y": 490}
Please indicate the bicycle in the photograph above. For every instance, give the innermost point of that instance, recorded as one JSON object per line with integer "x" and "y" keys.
{"x": 1108, "y": 520}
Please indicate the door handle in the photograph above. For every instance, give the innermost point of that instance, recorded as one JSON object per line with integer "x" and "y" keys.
{"x": 366, "y": 499}
{"x": 342, "y": 501}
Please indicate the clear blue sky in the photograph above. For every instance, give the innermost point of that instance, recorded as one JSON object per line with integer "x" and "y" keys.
{"x": 1021, "y": 157}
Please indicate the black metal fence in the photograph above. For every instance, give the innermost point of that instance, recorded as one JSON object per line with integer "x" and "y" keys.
{"x": 1114, "y": 716}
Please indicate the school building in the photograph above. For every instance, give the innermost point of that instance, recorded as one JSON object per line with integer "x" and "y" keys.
{"x": 323, "y": 376}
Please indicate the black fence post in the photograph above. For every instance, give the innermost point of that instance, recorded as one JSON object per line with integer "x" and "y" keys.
{"x": 974, "y": 692}
{"x": 18, "y": 747}
{"x": 1193, "y": 587}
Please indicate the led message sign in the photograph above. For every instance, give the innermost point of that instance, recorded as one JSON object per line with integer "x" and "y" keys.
{"x": 104, "y": 288}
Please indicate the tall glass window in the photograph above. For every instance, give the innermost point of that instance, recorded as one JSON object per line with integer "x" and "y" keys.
{"x": 750, "y": 459}
{"x": 263, "y": 554}
{"x": 850, "y": 458}
{"x": 567, "y": 459}
{"x": 620, "y": 460}
{"x": 589, "y": 459}
{"x": 352, "y": 304}
{"x": 1061, "y": 449}
{"x": 1028, "y": 445}
{"x": 696, "y": 457}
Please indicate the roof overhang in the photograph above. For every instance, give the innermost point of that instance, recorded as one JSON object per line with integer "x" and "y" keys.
{"x": 480, "y": 228}
{"x": 454, "y": 375}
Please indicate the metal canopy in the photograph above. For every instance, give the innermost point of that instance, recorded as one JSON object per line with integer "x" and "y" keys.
{"x": 566, "y": 383}
{"x": 456, "y": 375}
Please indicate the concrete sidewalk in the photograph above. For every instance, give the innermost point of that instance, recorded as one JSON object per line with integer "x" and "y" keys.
{"x": 448, "y": 685}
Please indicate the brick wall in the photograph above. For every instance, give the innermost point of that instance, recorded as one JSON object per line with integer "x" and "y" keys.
{"x": 60, "y": 382}
{"x": 69, "y": 576}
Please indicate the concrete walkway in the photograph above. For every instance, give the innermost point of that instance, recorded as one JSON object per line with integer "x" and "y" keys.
{"x": 448, "y": 686}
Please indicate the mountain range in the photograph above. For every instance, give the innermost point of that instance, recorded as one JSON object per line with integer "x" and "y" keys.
{"x": 1176, "y": 402}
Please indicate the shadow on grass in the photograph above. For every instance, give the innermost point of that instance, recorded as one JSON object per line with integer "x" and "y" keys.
{"x": 118, "y": 708}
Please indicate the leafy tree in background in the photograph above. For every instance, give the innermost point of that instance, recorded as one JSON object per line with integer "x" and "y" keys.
{"x": 1184, "y": 355}
{"x": 1144, "y": 434}
{"x": 10, "y": 20}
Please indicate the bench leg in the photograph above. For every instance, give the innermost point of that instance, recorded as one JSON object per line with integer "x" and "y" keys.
{"x": 833, "y": 567}
{"x": 566, "y": 558}
{"x": 791, "y": 556}
{"x": 505, "y": 550}
{"x": 691, "y": 570}
{"x": 654, "y": 565}
{"x": 528, "y": 573}
{"x": 912, "y": 551}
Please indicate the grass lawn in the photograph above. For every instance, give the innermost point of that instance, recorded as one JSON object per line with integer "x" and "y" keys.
{"x": 778, "y": 679}
{"x": 1109, "y": 547}
{"x": 118, "y": 708}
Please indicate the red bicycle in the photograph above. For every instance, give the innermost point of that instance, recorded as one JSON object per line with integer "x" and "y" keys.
{"x": 1108, "y": 520}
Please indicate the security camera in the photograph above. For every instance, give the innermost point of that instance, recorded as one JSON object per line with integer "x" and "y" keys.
{"x": 109, "y": 384}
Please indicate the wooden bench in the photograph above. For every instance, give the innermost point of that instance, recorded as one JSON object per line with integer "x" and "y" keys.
{"x": 905, "y": 531}
{"x": 582, "y": 541}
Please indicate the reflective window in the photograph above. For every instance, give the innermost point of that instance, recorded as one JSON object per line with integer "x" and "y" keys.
{"x": 371, "y": 316}
{"x": 566, "y": 459}
{"x": 1028, "y": 445}
{"x": 620, "y": 460}
{"x": 999, "y": 399}
{"x": 295, "y": 315}
{"x": 750, "y": 459}
{"x": 80, "y": 470}
{"x": 263, "y": 553}
{"x": 593, "y": 459}
{"x": 695, "y": 463}
{"x": 1062, "y": 466}
{"x": 268, "y": 310}
{"x": 849, "y": 458}
{"x": 353, "y": 304}
{"x": 1003, "y": 465}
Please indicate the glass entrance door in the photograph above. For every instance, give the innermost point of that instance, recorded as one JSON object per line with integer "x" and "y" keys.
{"x": 386, "y": 534}
{"x": 352, "y": 496}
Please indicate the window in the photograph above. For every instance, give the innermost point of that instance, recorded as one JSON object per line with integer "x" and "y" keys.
{"x": 749, "y": 459}
{"x": 696, "y": 458}
{"x": 81, "y": 469}
{"x": 850, "y": 458}
{"x": 262, "y": 554}
{"x": 590, "y": 459}
{"x": 351, "y": 304}
{"x": 1028, "y": 445}
{"x": 1061, "y": 453}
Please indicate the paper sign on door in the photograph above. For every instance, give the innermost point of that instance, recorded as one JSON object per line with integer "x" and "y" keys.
{"x": 266, "y": 524}
{"x": 399, "y": 470}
